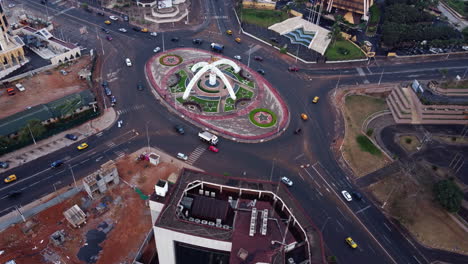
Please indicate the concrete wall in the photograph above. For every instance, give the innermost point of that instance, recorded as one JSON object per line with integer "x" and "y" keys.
{"x": 258, "y": 5}
{"x": 155, "y": 209}
{"x": 165, "y": 239}
{"x": 66, "y": 56}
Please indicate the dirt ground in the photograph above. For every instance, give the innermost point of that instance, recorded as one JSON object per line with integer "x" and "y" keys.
{"x": 44, "y": 87}
{"x": 452, "y": 140}
{"x": 131, "y": 219}
{"x": 408, "y": 198}
{"x": 357, "y": 109}
{"x": 409, "y": 143}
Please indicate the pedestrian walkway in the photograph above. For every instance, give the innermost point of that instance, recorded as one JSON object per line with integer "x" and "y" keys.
{"x": 130, "y": 109}
{"x": 56, "y": 142}
{"x": 196, "y": 154}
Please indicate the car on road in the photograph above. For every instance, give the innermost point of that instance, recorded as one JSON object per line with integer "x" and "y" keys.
{"x": 123, "y": 30}
{"x": 105, "y": 84}
{"x": 56, "y": 164}
{"x": 4, "y": 164}
{"x": 293, "y": 69}
{"x": 157, "y": 49}
{"x": 286, "y": 181}
{"x": 113, "y": 18}
{"x": 197, "y": 41}
{"x": 154, "y": 34}
{"x": 107, "y": 22}
{"x": 179, "y": 129}
{"x": 144, "y": 30}
{"x": 298, "y": 131}
{"x": 182, "y": 156}
{"x": 82, "y": 146}
{"x": 100, "y": 13}
{"x": 109, "y": 38}
{"x": 140, "y": 87}
{"x": 304, "y": 116}
{"x": 128, "y": 62}
{"x": 11, "y": 5}
{"x": 10, "y": 178}
{"x": 356, "y": 195}
{"x": 125, "y": 18}
{"x": 238, "y": 40}
{"x": 108, "y": 91}
{"x": 105, "y": 30}
{"x": 315, "y": 100}
{"x": 274, "y": 40}
{"x": 351, "y": 242}
{"x": 213, "y": 149}
{"x": 71, "y": 137}
{"x": 174, "y": 39}
{"x": 347, "y": 196}
{"x": 238, "y": 57}
{"x": 136, "y": 29}
{"x": 13, "y": 194}
{"x": 258, "y": 58}
{"x": 261, "y": 71}
{"x": 113, "y": 100}
{"x": 229, "y": 32}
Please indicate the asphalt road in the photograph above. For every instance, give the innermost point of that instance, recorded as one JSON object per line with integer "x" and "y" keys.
{"x": 317, "y": 187}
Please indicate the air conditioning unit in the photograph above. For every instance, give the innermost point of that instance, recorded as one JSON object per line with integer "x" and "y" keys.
{"x": 204, "y": 222}
{"x": 191, "y": 219}
{"x": 197, "y": 221}
{"x": 211, "y": 223}
{"x": 226, "y": 227}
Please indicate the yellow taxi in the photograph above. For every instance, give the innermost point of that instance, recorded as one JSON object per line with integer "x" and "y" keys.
{"x": 229, "y": 32}
{"x": 238, "y": 40}
{"x": 107, "y": 22}
{"x": 10, "y": 178}
{"x": 144, "y": 30}
{"x": 304, "y": 116}
{"x": 316, "y": 99}
{"x": 351, "y": 242}
{"x": 82, "y": 146}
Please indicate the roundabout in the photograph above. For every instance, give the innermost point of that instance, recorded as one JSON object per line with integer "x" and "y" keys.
{"x": 218, "y": 94}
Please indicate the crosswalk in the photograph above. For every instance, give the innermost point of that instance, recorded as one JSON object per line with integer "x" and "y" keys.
{"x": 110, "y": 144}
{"x": 130, "y": 109}
{"x": 119, "y": 154}
{"x": 196, "y": 154}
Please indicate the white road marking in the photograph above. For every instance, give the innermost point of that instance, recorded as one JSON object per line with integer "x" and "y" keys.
{"x": 363, "y": 209}
{"x": 338, "y": 222}
{"x": 99, "y": 158}
{"x": 360, "y": 71}
{"x": 300, "y": 155}
{"x": 386, "y": 238}
{"x": 389, "y": 229}
{"x": 301, "y": 176}
{"x": 416, "y": 259}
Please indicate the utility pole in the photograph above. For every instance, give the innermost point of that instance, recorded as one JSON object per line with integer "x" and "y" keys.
{"x": 73, "y": 175}
{"x": 34, "y": 140}
{"x": 162, "y": 35}
{"x": 20, "y": 213}
{"x": 248, "y": 62}
{"x": 297, "y": 53}
{"x": 147, "y": 137}
{"x": 381, "y": 75}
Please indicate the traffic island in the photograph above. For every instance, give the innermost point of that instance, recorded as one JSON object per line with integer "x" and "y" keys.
{"x": 218, "y": 94}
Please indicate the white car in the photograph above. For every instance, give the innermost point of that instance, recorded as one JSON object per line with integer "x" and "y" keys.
{"x": 114, "y": 18}
{"x": 154, "y": 34}
{"x": 157, "y": 49}
{"x": 122, "y": 30}
{"x": 182, "y": 156}
{"x": 11, "y": 5}
{"x": 347, "y": 196}
{"x": 128, "y": 62}
{"x": 20, "y": 87}
{"x": 237, "y": 57}
{"x": 287, "y": 181}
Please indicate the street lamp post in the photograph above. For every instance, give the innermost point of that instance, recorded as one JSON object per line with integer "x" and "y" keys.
{"x": 248, "y": 61}
{"x": 34, "y": 140}
{"x": 73, "y": 175}
{"x": 381, "y": 75}
{"x": 162, "y": 36}
{"x": 147, "y": 137}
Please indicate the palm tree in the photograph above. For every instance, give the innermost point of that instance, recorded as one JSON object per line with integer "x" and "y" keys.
{"x": 335, "y": 33}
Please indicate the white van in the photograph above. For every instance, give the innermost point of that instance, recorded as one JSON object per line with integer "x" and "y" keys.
{"x": 20, "y": 87}
{"x": 128, "y": 62}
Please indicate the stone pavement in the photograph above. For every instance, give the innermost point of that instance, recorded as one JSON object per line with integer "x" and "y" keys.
{"x": 58, "y": 141}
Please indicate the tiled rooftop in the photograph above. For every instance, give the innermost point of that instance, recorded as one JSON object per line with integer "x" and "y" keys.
{"x": 241, "y": 195}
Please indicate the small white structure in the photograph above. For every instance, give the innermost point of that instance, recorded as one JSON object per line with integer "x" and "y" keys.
{"x": 75, "y": 216}
{"x": 214, "y": 71}
{"x": 153, "y": 158}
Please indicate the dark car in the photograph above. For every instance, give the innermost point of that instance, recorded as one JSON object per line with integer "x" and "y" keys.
{"x": 174, "y": 39}
{"x": 356, "y": 195}
{"x": 106, "y": 30}
{"x": 197, "y": 41}
{"x": 109, "y": 38}
{"x": 274, "y": 40}
{"x": 100, "y": 13}
{"x": 293, "y": 69}
{"x": 105, "y": 84}
{"x": 125, "y": 18}
{"x": 179, "y": 129}
{"x": 261, "y": 71}
{"x": 4, "y": 164}
{"x": 136, "y": 29}
{"x": 43, "y": 2}
{"x": 14, "y": 194}
{"x": 71, "y": 137}
{"x": 258, "y": 58}
{"x": 140, "y": 87}
{"x": 88, "y": 10}
{"x": 113, "y": 100}
{"x": 108, "y": 91}
{"x": 56, "y": 163}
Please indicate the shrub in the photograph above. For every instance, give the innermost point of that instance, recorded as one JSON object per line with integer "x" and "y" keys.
{"x": 366, "y": 145}
{"x": 448, "y": 195}
{"x": 369, "y": 132}
{"x": 408, "y": 140}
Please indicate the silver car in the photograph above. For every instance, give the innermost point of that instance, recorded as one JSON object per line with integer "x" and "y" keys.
{"x": 347, "y": 196}
{"x": 182, "y": 156}
{"x": 287, "y": 181}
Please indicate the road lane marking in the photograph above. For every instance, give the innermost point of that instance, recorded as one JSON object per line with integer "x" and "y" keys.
{"x": 417, "y": 259}
{"x": 363, "y": 209}
{"x": 301, "y": 176}
{"x": 6, "y": 208}
{"x": 389, "y": 229}
{"x": 300, "y": 155}
{"x": 341, "y": 212}
{"x": 338, "y": 222}
{"x": 386, "y": 238}
{"x": 99, "y": 158}
{"x": 360, "y": 71}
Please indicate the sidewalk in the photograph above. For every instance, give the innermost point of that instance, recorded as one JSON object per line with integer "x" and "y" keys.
{"x": 56, "y": 142}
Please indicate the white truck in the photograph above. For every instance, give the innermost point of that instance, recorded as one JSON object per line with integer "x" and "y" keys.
{"x": 208, "y": 137}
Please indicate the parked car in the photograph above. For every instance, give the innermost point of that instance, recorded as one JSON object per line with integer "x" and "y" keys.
{"x": 125, "y": 18}
{"x": 71, "y": 137}
{"x": 293, "y": 69}
{"x": 182, "y": 156}
{"x": 315, "y": 100}
{"x": 213, "y": 149}
{"x": 140, "y": 87}
{"x": 56, "y": 164}
{"x": 197, "y": 41}
{"x": 108, "y": 91}
{"x": 114, "y": 18}
{"x": 109, "y": 38}
{"x": 128, "y": 62}
{"x": 274, "y": 40}
{"x": 105, "y": 30}
{"x": 154, "y": 34}
{"x": 20, "y": 87}
{"x": 258, "y": 58}
{"x": 113, "y": 100}
{"x": 286, "y": 181}
{"x": 82, "y": 146}
{"x": 105, "y": 84}
{"x": 4, "y": 164}
{"x": 157, "y": 49}
{"x": 174, "y": 39}
{"x": 356, "y": 195}
{"x": 347, "y": 196}
{"x": 351, "y": 242}
{"x": 261, "y": 71}
{"x": 123, "y": 30}
{"x": 10, "y": 178}
{"x": 179, "y": 129}
{"x": 238, "y": 57}
{"x": 10, "y": 91}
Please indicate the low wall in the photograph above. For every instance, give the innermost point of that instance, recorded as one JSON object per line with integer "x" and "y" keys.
{"x": 29, "y": 73}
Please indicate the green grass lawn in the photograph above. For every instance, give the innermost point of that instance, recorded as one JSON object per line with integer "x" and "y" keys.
{"x": 343, "y": 50}
{"x": 458, "y": 5}
{"x": 263, "y": 18}
{"x": 366, "y": 145}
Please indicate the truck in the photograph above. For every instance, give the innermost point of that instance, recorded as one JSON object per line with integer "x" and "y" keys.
{"x": 208, "y": 137}
{"x": 217, "y": 47}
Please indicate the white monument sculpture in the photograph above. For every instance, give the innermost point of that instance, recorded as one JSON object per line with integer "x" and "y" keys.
{"x": 214, "y": 71}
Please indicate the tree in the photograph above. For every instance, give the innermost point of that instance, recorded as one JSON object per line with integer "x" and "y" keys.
{"x": 335, "y": 33}
{"x": 448, "y": 194}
